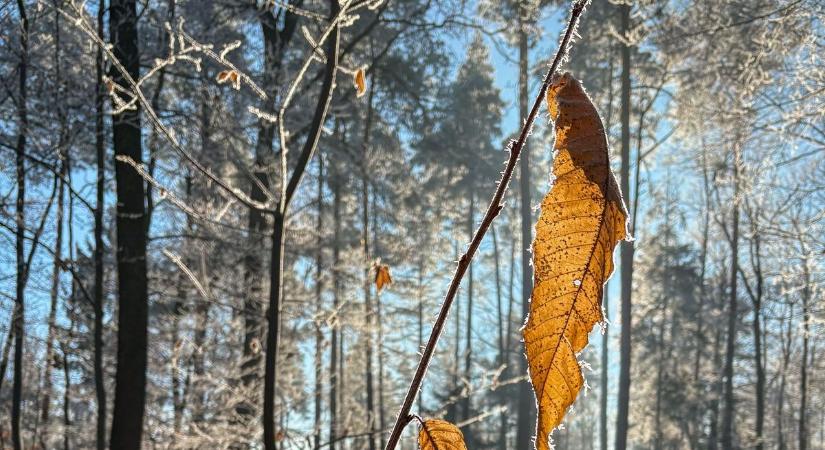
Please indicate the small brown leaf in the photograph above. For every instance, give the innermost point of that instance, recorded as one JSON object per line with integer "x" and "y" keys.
{"x": 382, "y": 276}
{"x": 223, "y": 76}
{"x": 231, "y": 76}
{"x": 360, "y": 81}
{"x": 438, "y": 434}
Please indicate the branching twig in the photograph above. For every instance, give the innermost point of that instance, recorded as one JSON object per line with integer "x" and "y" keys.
{"x": 493, "y": 209}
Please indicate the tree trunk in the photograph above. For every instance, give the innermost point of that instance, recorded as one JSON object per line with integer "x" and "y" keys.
{"x": 502, "y": 349}
{"x": 526, "y": 422}
{"x": 4, "y": 360}
{"x": 786, "y": 359}
{"x": 253, "y": 262}
{"x": 716, "y": 400}
{"x": 468, "y": 334}
{"x": 58, "y": 244}
{"x": 100, "y": 190}
{"x": 276, "y": 264}
{"x": 336, "y": 284}
{"x": 20, "y": 235}
{"x": 382, "y": 420}
{"x": 319, "y": 307}
{"x": 130, "y": 381}
{"x": 757, "y": 344}
{"x": 730, "y": 348}
{"x": 603, "y": 375}
{"x": 803, "y": 367}
{"x": 53, "y": 292}
{"x": 368, "y": 309}
{"x": 274, "y": 42}
{"x": 67, "y": 389}
{"x": 626, "y": 258}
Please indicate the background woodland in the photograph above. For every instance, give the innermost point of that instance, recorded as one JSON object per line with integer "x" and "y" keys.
{"x": 715, "y": 114}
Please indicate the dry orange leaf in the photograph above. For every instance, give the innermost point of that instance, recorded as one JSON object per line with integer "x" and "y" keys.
{"x": 382, "y": 276}
{"x": 360, "y": 81}
{"x": 582, "y": 219}
{"x": 229, "y": 76}
{"x": 438, "y": 434}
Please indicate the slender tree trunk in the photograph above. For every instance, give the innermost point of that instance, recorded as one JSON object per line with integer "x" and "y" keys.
{"x": 803, "y": 367}
{"x": 730, "y": 348}
{"x": 53, "y": 293}
{"x": 20, "y": 235}
{"x": 623, "y": 409}
{"x": 336, "y": 284}
{"x": 603, "y": 375}
{"x": 468, "y": 334}
{"x": 58, "y": 245}
{"x": 67, "y": 389}
{"x": 786, "y": 359}
{"x": 319, "y": 307}
{"x": 130, "y": 381}
{"x": 526, "y": 422}
{"x": 4, "y": 360}
{"x": 179, "y": 387}
{"x": 368, "y": 308}
{"x": 502, "y": 349}
{"x": 274, "y": 41}
{"x": 253, "y": 262}
{"x": 198, "y": 364}
{"x": 757, "y": 342}
{"x": 716, "y": 400}
{"x": 379, "y": 348}
{"x": 100, "y": 190}
{"x": 276, "y": 265}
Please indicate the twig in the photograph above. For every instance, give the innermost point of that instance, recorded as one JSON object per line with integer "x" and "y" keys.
{"x": 493, "y": 209}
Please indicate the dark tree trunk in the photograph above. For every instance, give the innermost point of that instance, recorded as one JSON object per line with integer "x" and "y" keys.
{"x": 382, "y": 420}
{"x": 58, "y": 244}
{"x": 756, "y": 262}
{"x": 803, "y": 367}
{"x": 67, "y": 389}
{"x": 253, "y": 262}
{"x": 526, "y": 422}
{"x": 603, "y": 378}
{"x": 100, "y": 190}
{"x": 468, "y": 334}
{"x": 4, "y": 360}
{"x": 276, "y": 263}
{"x": 786, "y": 359}
{"x": 336, "y": 286}
{"x": 626, "y": 258}
{"x": 502, "y": 346}
{"x": 319, "y": 307}
{"x": 53, "y": 293}
{"x": 20, "y": 235}
{"x": 368, "y": 307}
{"x": 716, "y": 399}
{"x": 275, "y": 41}
{"x": 730, "y": 347}
{"x": 130, "y": 381}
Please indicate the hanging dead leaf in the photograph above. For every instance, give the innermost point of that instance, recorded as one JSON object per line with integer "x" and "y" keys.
{"x": 223, "y": 76}
{"x": 438, "y": 434}
{"x": 382, "y": 276}
{"x": 230, "y": 76}
{"x": 582, "y": 219}
{"x": 360, "y": 81}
